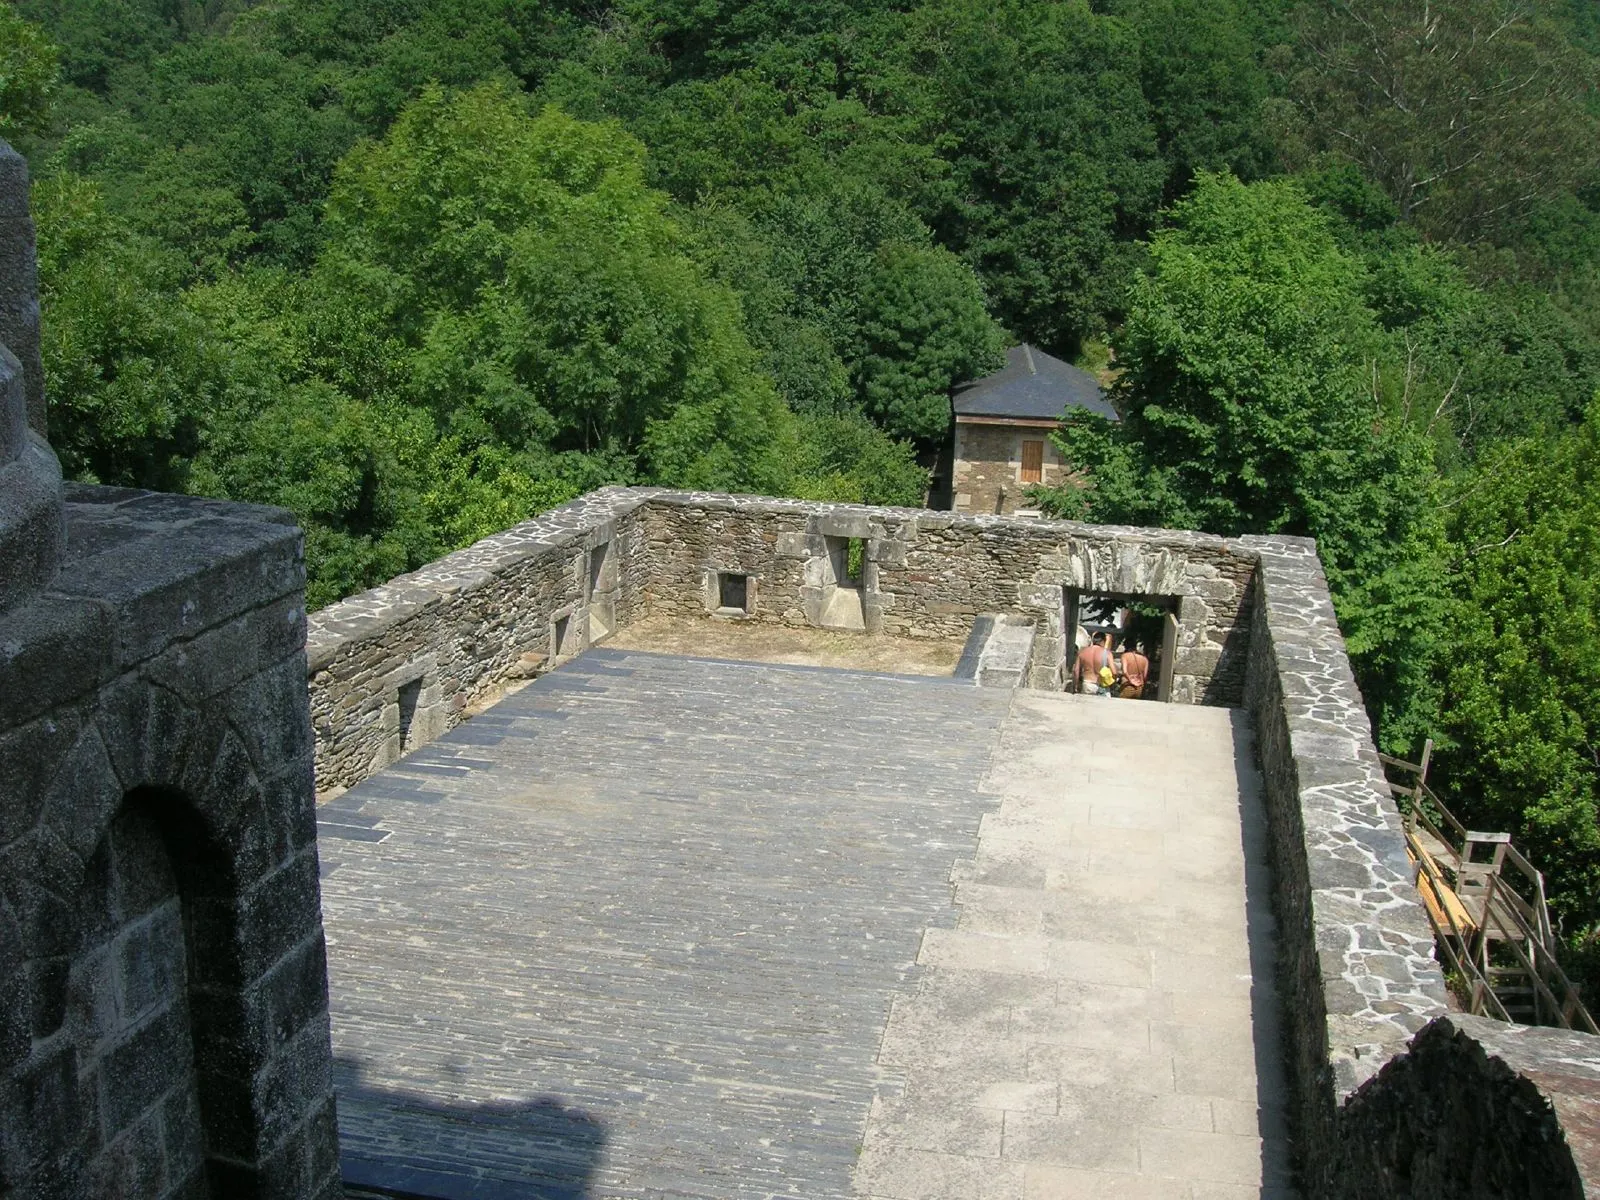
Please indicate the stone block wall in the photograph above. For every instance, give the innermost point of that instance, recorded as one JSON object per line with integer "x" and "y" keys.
{"x": 163, "y": 998}
{"x": 986, "y": 470}
{"x": 396, "y": 666}
{"x": 929, "y": 574}
{"x": 1256, "y": 627}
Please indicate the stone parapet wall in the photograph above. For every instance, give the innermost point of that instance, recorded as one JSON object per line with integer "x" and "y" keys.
{"x": 929, "y": 574}
{"x": 1392, "y": 1097}
{"x": 458, "y": 630}
{"x": 394, "y": 667}
{"x": 1478, "y": 1110}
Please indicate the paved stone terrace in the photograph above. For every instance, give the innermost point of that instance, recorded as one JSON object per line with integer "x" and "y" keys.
{"x": 663, "y": 926}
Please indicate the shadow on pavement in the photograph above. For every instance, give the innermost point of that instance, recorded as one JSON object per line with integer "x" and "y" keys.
{"x": 539, "y": 1149}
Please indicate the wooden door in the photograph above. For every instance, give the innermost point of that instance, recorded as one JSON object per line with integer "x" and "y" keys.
{"x": 1032, "y": 462}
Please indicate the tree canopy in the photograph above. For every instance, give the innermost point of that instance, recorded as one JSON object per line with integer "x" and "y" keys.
{"x": 420, "y": 269}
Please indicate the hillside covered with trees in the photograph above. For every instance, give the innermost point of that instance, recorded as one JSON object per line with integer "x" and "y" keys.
{"x": 417, "y": 269}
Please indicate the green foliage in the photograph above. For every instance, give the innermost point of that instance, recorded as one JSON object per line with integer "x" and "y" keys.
{"x": 1052, "y": 156}
{"x": 28, "y": 74}
{"x": 131, "y": 370}
{"x": 923, "y": 329}
{"x": 1465, "y": 114}
{"x": 543, "y": 296}
{"x": 1248, "y": 406}
{"x": 1521, "y": 712}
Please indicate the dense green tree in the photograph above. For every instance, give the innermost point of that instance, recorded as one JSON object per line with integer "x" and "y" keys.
{"x": 1521, "y": 712}
{"x": 1249, "y": 406}
{"x": 132, "y": 372}
{"x": 1467, "y": 114}
{"x": 543, "y": 295}
{"x": 1052, "y": 156}
{"x": 923, "y": 329}
{"x": 28, "y": 74}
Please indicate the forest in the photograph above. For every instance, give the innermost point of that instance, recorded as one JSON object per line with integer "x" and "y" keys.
{"x": 419, "y": 269}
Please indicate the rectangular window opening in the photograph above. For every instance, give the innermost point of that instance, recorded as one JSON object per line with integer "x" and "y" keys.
{"x": 855, "y": 562}
{"x": 597, "y": 564}
{"x": 733, "y": 591}
{"x": 560, "y": 637}
{"x": 409, "y": 695}
{"x": 1032, "y": 462}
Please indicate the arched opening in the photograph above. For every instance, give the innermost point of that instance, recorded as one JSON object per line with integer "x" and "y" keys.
{"x": 151, "y": 1008}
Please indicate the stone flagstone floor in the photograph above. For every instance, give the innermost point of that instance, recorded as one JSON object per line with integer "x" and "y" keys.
{"x": 664, "y": 926}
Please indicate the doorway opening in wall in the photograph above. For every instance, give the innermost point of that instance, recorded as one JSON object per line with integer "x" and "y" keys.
{"x": 1145, "y": 626}
{"x": 408, "y": 695}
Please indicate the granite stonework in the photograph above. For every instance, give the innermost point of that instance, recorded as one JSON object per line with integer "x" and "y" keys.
{"x": 163, "y": 997}
{"x": 164, "y": 1025}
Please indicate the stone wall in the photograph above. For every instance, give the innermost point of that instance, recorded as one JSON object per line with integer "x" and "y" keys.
{"x": 163, "y": 999}
{"x": 393, "y": 667}
{"x": 929, "y": 574}
{"x": 1478, "y": 1110}
{"x": 1393, "y": 1098}
{"x": 986, "y": 475}
{"x": 1357, "y": 971}
{"x": 396, "y": 666}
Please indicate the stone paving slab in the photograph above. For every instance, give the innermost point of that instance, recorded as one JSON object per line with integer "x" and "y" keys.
{"x": 1101, "y": 1020}
{"x": 648, "y": 950}
{"x": 739, "y": 930}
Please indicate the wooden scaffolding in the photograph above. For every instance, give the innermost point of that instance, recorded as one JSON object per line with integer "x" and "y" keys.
{"x": 1487, "y": 905}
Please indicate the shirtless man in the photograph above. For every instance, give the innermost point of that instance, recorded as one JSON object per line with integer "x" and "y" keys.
{"x": 1086, "y": 669}
{"x": 1135, "y": 670}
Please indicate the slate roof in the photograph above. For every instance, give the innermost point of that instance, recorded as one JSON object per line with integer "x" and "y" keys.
{"x": 1032, "y": 385}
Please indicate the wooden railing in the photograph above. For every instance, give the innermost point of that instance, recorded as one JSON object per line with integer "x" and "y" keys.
{"x": 1487, "y": 904}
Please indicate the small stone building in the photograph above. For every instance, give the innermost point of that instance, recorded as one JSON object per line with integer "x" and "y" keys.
{"x": 1003, "y": 425}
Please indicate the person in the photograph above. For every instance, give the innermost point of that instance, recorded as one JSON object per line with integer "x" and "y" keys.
{"x": 1092, "y": 660}
{"x": 1135, "y": 670}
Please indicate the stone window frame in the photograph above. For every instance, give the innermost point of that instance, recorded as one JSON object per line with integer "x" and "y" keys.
{"x": 565, "y": 619}
{"x": 711, "y": 593}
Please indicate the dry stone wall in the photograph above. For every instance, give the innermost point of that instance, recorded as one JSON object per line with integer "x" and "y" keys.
{"x": 929, "y": 574}
{"x": 396, "y": 666}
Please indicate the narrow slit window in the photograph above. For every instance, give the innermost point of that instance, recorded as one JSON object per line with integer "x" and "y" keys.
{"x": 855, "y": 561}
{"x": 1032, "y": 462}
{"x": 409, "y": 694}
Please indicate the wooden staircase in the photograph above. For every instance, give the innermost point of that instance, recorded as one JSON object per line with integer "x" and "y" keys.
{"x": 1487, "y": 905}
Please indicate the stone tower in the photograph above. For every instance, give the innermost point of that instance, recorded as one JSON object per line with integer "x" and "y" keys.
{"x": 163, "y": 981}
